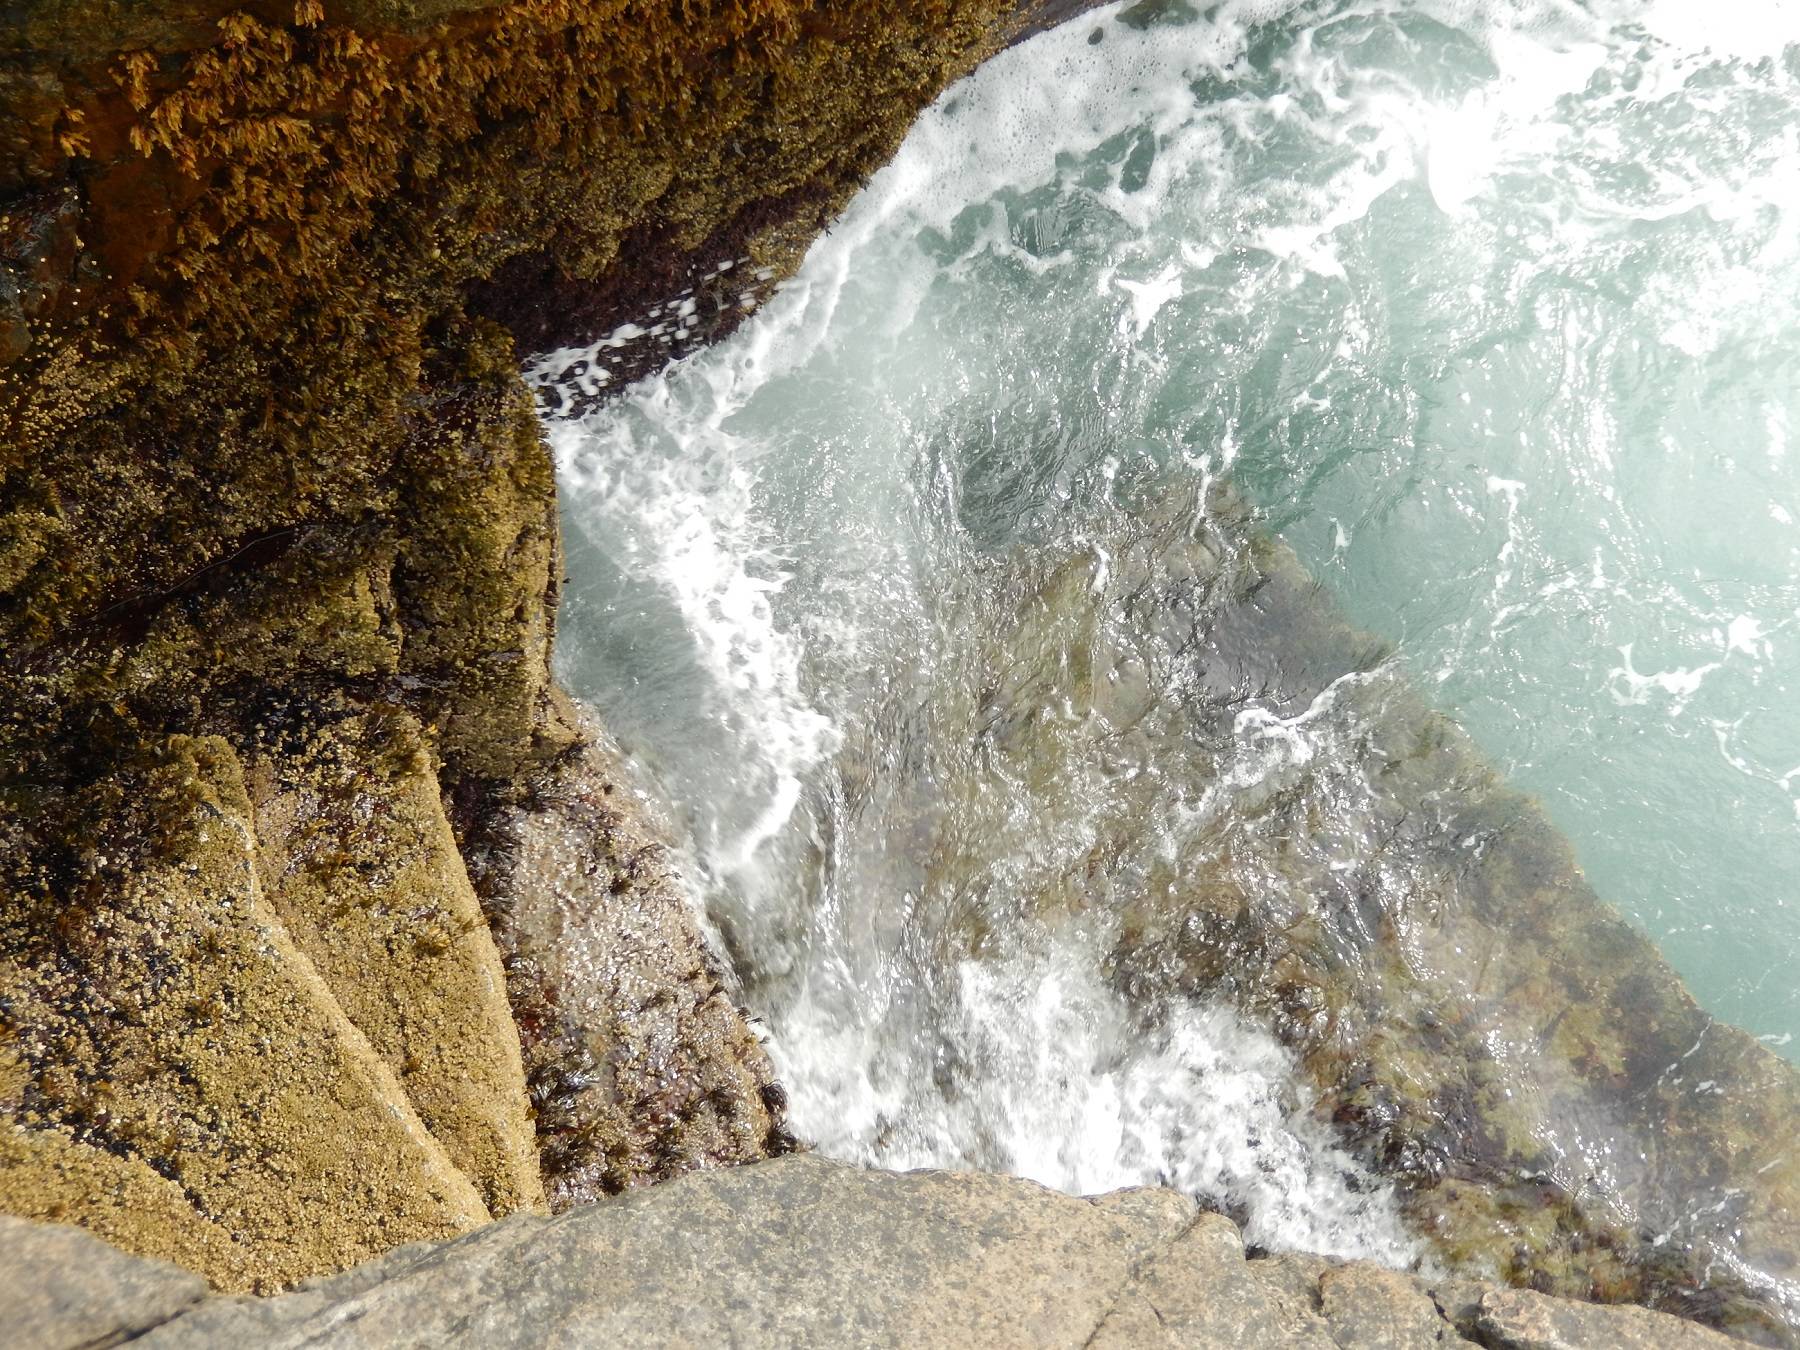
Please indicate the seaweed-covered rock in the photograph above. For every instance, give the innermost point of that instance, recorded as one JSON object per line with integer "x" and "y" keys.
{"x": 273, "y": 233}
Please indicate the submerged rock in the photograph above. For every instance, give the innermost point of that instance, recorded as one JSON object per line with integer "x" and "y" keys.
{"x": 1485, "y": 1029}
{"x": 1200, "y": 769}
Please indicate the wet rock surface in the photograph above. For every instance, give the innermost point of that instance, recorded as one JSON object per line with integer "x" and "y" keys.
{"x": 804, "y": 1252}
{"x": 640, "y": 1063}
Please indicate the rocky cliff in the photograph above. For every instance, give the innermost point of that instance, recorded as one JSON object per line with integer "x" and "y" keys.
{"x": 327, "y": 925}
{"x": 278, "y": 581}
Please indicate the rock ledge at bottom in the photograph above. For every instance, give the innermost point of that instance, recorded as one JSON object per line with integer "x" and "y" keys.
{"x": 800, "y": 1251}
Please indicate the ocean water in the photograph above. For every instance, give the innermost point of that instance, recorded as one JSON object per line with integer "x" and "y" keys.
{"x": 1490, "y": 313}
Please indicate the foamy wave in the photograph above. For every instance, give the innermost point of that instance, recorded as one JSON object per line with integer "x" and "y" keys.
{"x": 1058, "y": 1080}
{"x": 670, "y": 501}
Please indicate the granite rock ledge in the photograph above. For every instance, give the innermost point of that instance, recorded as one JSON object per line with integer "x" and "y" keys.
{"x": 800, "y": 1251}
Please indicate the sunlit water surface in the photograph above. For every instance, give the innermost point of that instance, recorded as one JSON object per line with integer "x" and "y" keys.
{"x": 1496, "y": 318}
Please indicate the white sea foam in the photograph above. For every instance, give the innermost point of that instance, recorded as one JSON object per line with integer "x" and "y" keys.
{"x": 670, "y": 498}
{"x": 1064, "y": 1085}
{"x": 1630, "y": 687}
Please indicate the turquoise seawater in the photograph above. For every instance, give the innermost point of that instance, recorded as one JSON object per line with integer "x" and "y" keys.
{"x": 1492, "y": 311}
{"x": 1531, "y": 419}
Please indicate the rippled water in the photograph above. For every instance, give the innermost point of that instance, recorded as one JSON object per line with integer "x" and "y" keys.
{"x": 901, "y": 593}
